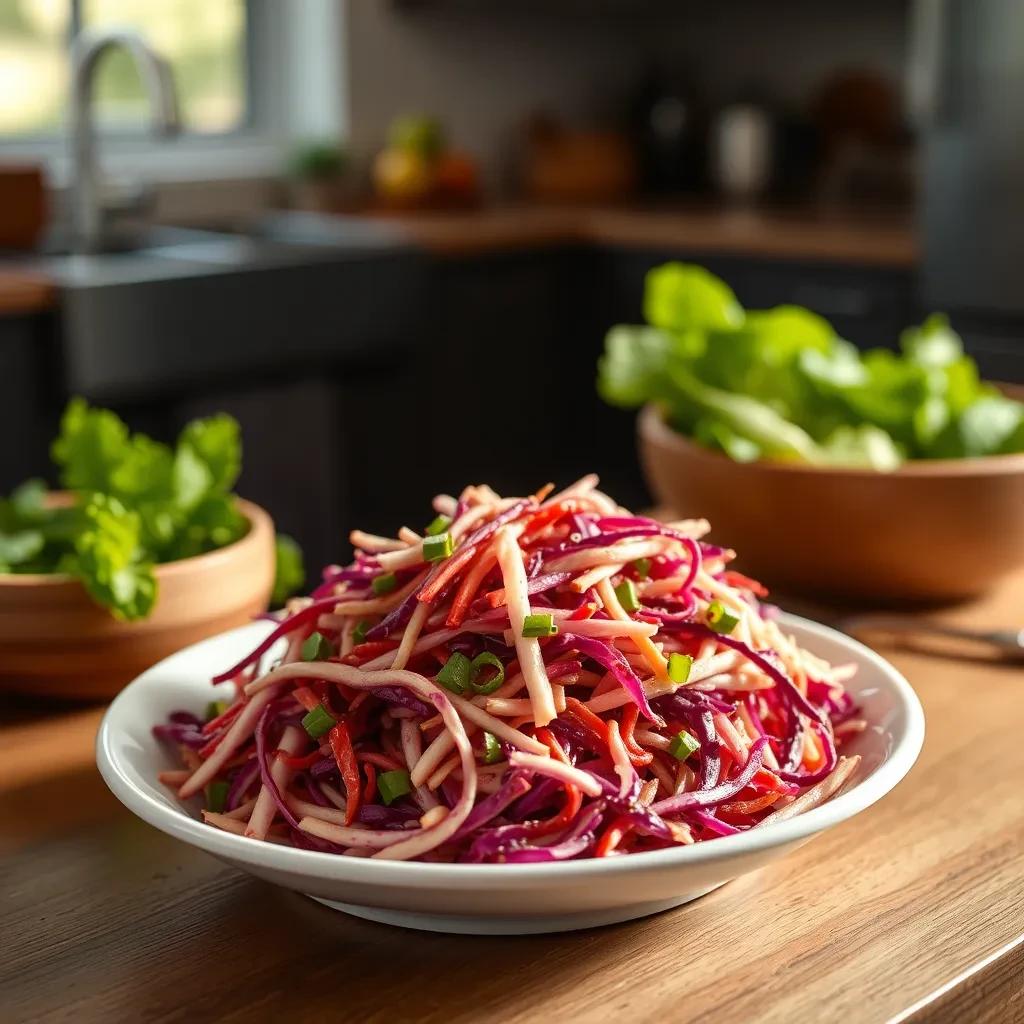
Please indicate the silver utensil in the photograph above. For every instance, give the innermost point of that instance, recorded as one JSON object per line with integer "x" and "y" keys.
{"x": 1002, "y": 643}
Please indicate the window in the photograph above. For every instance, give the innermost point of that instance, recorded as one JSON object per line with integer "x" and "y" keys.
{"x": 252, "y": 78}
{"x": 205, "y": 41}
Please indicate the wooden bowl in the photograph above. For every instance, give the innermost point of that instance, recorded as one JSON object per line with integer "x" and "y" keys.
{"x": 55, "y": 642}
{"x": 931, "y": 531}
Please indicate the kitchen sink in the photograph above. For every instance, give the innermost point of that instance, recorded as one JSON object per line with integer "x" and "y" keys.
{"x": 165, "y": 306}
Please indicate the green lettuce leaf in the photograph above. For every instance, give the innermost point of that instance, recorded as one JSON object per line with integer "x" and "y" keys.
{"x": 290, "y": 573}
{"x": 109, "y": 562}
{"x": 865, "y": 446}
{"x": 683, "y": 297}
{"x": 90, "y": 446}
{"x": 18, "y": 549}
{"x": 631, "y": 371}
{"x": 216, "y": 443}
{"x": 749, "y": 418}
{"x": 934, "y": 344}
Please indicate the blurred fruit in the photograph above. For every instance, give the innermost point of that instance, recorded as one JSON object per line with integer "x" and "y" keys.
{"x": 417, "y": 133}
{"x": 455, "y": 178}
{"x": 402, "y": 176}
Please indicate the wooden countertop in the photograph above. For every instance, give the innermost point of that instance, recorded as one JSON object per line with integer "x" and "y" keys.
{"x": 879, "y": 240}
{"x": 22, "y": 292}
{"x": 914, "y": 910}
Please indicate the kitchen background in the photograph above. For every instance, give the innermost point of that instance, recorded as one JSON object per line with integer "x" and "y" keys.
{"x": 389, "y": 236}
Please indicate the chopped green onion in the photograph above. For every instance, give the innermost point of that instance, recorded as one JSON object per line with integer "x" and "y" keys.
{"x": 492, "y": 749}
{"x": 217, "y": 796}
{"x": 435, "y": 549}
{"x": 438, "y": 525}
{"x": 215, "y": 709}
{"x": 359, "y": 633}
{"x": 643, "y": 568}
{"x": 539, "y": 624}
{"x": 316, "y": 647}
{"x": 480, "y": 664}
{"x": 683, "y": 745}
{"x": 454, "y": 674}
{"x": 384, "y": 584}
{"x": 626, "y": 593}
{"x": 679, "y": 666}
{"x": 318, "y": 722}
{"x": 392, "y": 785}
{"x": 719, "y": 619}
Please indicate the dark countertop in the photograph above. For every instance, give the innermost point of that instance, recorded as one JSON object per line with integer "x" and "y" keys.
{"x": 290, "y": 239}
{"x": 880, "y": 239}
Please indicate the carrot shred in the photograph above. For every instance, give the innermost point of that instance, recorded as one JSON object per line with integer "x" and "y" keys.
{"x": 306, "y": 697}
{"x": 299, "y": 761}
{"x": 737, "y": 579}
{"x": 452, "y": 567}
{"x": 612, "y": 836}
{"x": 369, "y": 649}
{"x": 227, "y": 716}
{"x": 371, "y": 783}
{"x": 637, "y": 755}
{"x": 573, "y": 795}
{"x": 587, "y": 718}
{"x": 481, "y": 566}
{"x": 751, "y": 806}
{"x": 546, "y": 517}
{"x": 814, "y": 755}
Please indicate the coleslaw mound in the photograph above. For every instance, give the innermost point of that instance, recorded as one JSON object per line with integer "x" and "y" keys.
{"x": 527, "y": 679}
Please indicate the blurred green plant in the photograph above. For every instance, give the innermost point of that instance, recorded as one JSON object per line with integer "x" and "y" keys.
{"x": 321, "y": 160}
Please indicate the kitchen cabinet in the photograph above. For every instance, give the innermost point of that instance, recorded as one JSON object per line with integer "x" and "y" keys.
{"x": 30, "y": 397}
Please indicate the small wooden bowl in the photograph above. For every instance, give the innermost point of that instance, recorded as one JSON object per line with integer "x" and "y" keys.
{"x": 931, "y": 531}
{"x": 55, "y": 642}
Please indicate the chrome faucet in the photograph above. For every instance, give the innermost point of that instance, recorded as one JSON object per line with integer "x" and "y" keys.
{"x": 88, "y": 210}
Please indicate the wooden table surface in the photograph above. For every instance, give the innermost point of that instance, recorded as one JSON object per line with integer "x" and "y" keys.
{"x": 914, "y": 910}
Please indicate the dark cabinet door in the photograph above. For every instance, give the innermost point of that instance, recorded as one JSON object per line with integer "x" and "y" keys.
{"x": 30, "y": 398}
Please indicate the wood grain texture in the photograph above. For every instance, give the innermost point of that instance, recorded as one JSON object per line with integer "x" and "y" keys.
{"x": 908, "y": 910}
{"x": 797, "y": 235}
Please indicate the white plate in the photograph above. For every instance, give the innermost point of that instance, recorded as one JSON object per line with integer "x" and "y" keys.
{"x": 496, "y": 898}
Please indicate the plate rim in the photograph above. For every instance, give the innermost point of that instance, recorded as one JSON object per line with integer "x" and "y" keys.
{"x": 177, "y": 822}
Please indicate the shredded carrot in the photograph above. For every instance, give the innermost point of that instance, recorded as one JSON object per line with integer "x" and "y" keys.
{"x": 388, "y": 763}
{"x": 547, "y": 517}
{"x": 371, "y": 783}
{"x": 814, "y": 754}
{"x": 751, "y": 806}
{"x": 635, "y": 752}
{"x": 306, "y": 697}
{"x": 449, "y": 570}
{"x": 484, "y": 563}
{"x": 612, "y": 836}
{"x": 587, "y": 718}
